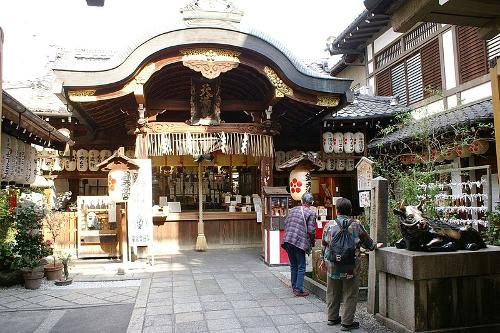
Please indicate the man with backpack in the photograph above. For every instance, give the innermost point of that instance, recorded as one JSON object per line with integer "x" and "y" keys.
{"x": 341, "y": 242}
{"x": 298, "y": 240}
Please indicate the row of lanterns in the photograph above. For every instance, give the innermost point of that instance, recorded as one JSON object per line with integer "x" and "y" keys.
{"x": 19, "y": 161}
{"x": 80, "y": 160}
{"x": 340, "y": 143}
{"x": 477, "y": 147}
{"x": 328, "y": 164}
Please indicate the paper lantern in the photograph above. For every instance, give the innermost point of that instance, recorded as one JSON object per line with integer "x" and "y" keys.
{"x": 70, "y": 163}
{"x": 82, "y": 158}
{"x": 328, "y": 142}
{"x": 94, "y": 159}
{"x": 33, "y": 172}
{"x": 279, "y": 158}
{"x": 450, "y": 154}
{"x": 58, "y": 164}
{"x": 340, "y": 165}
{"x": 463, "y": 151}
{"x": 105, "y": 154}
{"x": 21, "y": 161}
{"x": 348, "y": 143}
{"x": 119, "y": 183}
{"x": 6, "y": 156}
{"x": 330, "y": 164}
{"x": 359, "y": 143}
{"x": 300, "y": 182}
{"x": 349, "y": 165}
{"x": 11, "y": 177}
{"x": 479, "y": 147}
{"x": 338, "y": 143}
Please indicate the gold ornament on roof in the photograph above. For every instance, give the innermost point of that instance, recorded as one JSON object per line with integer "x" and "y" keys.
{"x": 78, "y": 93}
{"x": 330, "y": 101}
{"x": 281, "y": 89}
{"x": 210, "y": 62}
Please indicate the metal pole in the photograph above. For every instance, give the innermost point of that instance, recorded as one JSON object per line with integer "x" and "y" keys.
{"x": 201, "y": 241}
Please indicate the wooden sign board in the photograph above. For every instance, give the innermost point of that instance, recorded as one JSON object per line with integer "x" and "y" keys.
{"x": 364, "y": 170}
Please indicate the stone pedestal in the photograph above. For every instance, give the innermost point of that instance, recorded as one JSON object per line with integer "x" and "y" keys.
{"x": 439, "y": 292}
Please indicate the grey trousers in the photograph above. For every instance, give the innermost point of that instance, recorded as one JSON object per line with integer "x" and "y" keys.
{"x": 335, "y": 290}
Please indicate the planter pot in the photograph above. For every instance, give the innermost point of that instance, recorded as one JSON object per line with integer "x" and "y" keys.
{"x": 33, "y": 277}
{"x": 63, "y": 282}
{"x": 53, "y": 272}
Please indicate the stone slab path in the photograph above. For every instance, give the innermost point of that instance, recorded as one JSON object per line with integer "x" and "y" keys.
{"x": 214, "y": 291}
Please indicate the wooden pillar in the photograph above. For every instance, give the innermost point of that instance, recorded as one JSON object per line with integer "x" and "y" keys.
{"x": 266, "y": 179}
{"x": 201, "y": 240}
{"x": 379, "y": 212}
{"x": 495, "y": 95}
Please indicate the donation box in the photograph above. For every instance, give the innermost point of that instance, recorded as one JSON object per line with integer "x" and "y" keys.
{"x": 276, "y": 202}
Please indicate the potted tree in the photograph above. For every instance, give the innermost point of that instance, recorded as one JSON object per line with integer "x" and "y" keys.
{"x": 29, "y": 246}
{"x": 56, "y": 221}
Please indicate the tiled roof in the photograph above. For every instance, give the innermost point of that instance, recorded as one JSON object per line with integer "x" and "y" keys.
{"x": 37, "y": 94}
{"x": 100, "y": 60}
{"x": 367, "y": 107}
{"x": 462, "y": 115}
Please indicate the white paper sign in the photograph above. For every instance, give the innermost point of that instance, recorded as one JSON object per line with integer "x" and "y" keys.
{"x": 364, "y": 199}
{"x": 140, "y": 214}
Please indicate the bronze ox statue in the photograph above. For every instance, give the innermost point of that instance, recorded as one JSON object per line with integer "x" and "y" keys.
{"x": 426, "y": 234}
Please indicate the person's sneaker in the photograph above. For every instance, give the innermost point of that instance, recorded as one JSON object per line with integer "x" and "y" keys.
{"x": 353, "y": 326}
{"x": 301, "y": 293}
{"x": 334, "y": 322}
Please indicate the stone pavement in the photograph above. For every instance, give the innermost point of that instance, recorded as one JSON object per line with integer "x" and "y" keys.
{"x": 214, "y": 291}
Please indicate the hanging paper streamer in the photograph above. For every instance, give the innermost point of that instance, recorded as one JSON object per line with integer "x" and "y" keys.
{"x": 160, "y": 144}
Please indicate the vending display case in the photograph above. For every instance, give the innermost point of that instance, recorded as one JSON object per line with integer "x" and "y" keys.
{"x": 276, "y": 204}
{"x": 97, "y": 227}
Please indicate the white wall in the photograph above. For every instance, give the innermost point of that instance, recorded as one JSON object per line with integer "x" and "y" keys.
{"x": 476, "y": 93}
{"x": 428, "y": 110}
{"x": 357, "y": 73}
{"x": 385, "y": 39}
{"x": 449, "y": 60}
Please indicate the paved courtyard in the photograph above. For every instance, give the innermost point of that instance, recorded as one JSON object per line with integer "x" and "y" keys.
{"x": 214, "y": 291}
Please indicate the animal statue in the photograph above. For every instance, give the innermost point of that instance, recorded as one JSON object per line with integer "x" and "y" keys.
{"x": 421, "y": 233}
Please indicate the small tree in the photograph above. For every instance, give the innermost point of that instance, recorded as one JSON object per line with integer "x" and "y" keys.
{"x": 29, "y": 246}
{"x": 56, "y": 220}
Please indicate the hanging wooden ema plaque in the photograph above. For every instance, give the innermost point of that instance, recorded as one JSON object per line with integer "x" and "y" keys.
{"x": 365, "y": 174}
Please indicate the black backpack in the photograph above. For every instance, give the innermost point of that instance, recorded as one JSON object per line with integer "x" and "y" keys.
{"x": 342, "y": 246}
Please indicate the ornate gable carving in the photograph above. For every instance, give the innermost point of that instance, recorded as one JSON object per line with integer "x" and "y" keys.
{"x": 210, "y": 62}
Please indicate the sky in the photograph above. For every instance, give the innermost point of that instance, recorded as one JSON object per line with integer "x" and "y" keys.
{"x": 31, "y": 26}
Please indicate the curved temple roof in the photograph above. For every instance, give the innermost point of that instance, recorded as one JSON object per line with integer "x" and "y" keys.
{"x": 80, "y": 69}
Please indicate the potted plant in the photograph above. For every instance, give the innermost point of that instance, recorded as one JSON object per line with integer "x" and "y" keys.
{"x": 56, "y": 221}
{"x": 30, "y": 246}
{"x": 65, "y": 280}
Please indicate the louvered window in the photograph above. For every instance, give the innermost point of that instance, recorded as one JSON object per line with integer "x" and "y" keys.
{"x": 398, "y": 82}
{"x": 383, "y": 82}
{"x": 414, "y": 79}
{"x": 493, "y": 47}
{"x": 472, "y": 60}
{"x": 431, "y": 68}
{"x": 419, "y": 34}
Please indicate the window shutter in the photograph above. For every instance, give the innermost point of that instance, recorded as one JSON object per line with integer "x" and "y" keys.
{"x": 398, "y": 81}
{"x": 472, "y": 60}
{"x": 383, "y": 83}
{"x": 493, "y": 47}
{"x": 414, "y": 79}
{"x": 431, "y": 67}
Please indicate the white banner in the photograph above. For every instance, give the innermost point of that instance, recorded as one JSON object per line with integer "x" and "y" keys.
{"x": 140, "y": 213}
